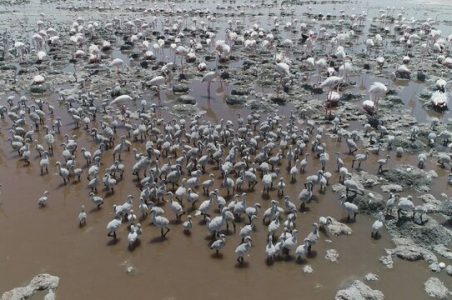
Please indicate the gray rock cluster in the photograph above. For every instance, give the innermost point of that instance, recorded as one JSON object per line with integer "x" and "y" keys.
{"x": 41, "y": 282}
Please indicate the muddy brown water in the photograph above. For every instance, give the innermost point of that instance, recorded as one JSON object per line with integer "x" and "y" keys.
{"x": 180, "y": 267}
{"x": 183, "y": 267}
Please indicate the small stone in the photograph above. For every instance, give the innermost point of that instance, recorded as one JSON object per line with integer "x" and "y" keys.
{"x": 387, "y": 261}
{"x": 393, "y": 188}
{"x": 332, "y": 255}
{"x": 187, "y": 99}
{"x": 371, "y": 277}
{"x": 235, "y": 100}
{"x": 449, "y": 270}
{"x": 180, "y": 88}
{"x": 308, "y": 269}
{"x": 435, "y": 267}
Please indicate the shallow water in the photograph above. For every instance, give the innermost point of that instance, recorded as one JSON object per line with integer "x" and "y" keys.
{"x": 183, "y": 267}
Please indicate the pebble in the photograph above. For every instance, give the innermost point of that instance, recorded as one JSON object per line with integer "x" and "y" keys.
{"x": 371, "y": 277}
{"x": 308, "y": 269}
{"x": 332, "y": 255}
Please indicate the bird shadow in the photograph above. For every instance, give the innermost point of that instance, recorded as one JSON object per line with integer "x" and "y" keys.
{"x": 202, "y": 222}
{"x": 217, "y": 255}
{"x": 304, "y": 209}
{"x": 61, "y": 185}
{"x": 113, "y": 242}
{"x": 347, "y": 220}
{"x": 134, "y": 246}
{"x": 94, "y": 210}
{"x": 266, "y": 196}
{"x": 447, "y": 223}
{"x": 209, "y": 238}
{"x": 402, "y": 220}
{"x": 288, "y": 258}
{"x": 300, "y": 261}
{"x": 389, "y": 217}
{"x": 187, "y": 232}
{"x": 108, "y": 194}
{"x": 269, "y": 262}
{"x": 312, "y": 254}
{"x": 377, "y": 236}
{"x": 157, "y": 239}
{"x": 243, "y": 265}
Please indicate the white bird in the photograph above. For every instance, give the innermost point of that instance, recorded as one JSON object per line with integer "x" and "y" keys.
{"x": 290, "y": 242}
{"x": 377, "y": 225}
{"x": 132, "y": 237}
{"x": 209, "y": 77}
{"x": 270, "y": 249}
{"x": 188, "y": 225}
{"x": 176, "y": 207}
{"x": 247, "y": 230}
{"x": 243, "y": 249}
{"x": 113, "y": 226}
{"x": 302, "y": 250}
{"x": 82, "y": 216}
{"x": 160, "y": 222}
{"x": 405, "y": 205}
{"x": 218, "y": 244}
{"x": 350, "y": 208}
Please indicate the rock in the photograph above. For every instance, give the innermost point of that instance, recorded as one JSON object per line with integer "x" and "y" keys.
{"x": 431, "y": 203}
{"x": 239, "y": 92}
{"x": 337, "y": 228}
{"x": 435, "y": 288}
{"x": 235, "y": 100}
{"x": 408, "y": 176}
{"x": 394, "y": 99}
{"x": 366, "y": 179}
{"x": 38, "y": 283}
{"x": 187, "y": 99}
{"x": 408, "y": 250}
{"x": 349, "y": 96}
{"x": 50, "y": 295}
{"x": 185, "y": 110}
{"x": 387, "y": 261}
{"x": 394, "y": 188}
{"x": 435, "y": 267}
{"x": 332, "y": 255}
{"x": 308, "y": 269}
{"x": 278, "y": 99}
{"x": 312, "y": 89}
{"x": 449, "y": 270}
{"x": 371, "y": 277}
{"x": 446, "y": 208}
{"x": 359, "y": 291}
{"x": 370, "y": 201}
{"x": 38, "y": 89}
{"x": 427, "y": 235}
{"x": 443, "y": 251}
{"x": 180, "y": 89}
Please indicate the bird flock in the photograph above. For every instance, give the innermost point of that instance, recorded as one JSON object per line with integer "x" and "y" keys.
{"x": 191, "y": 169}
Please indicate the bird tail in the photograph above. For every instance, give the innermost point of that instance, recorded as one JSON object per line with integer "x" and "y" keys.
{"x": 198, "y": 213}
